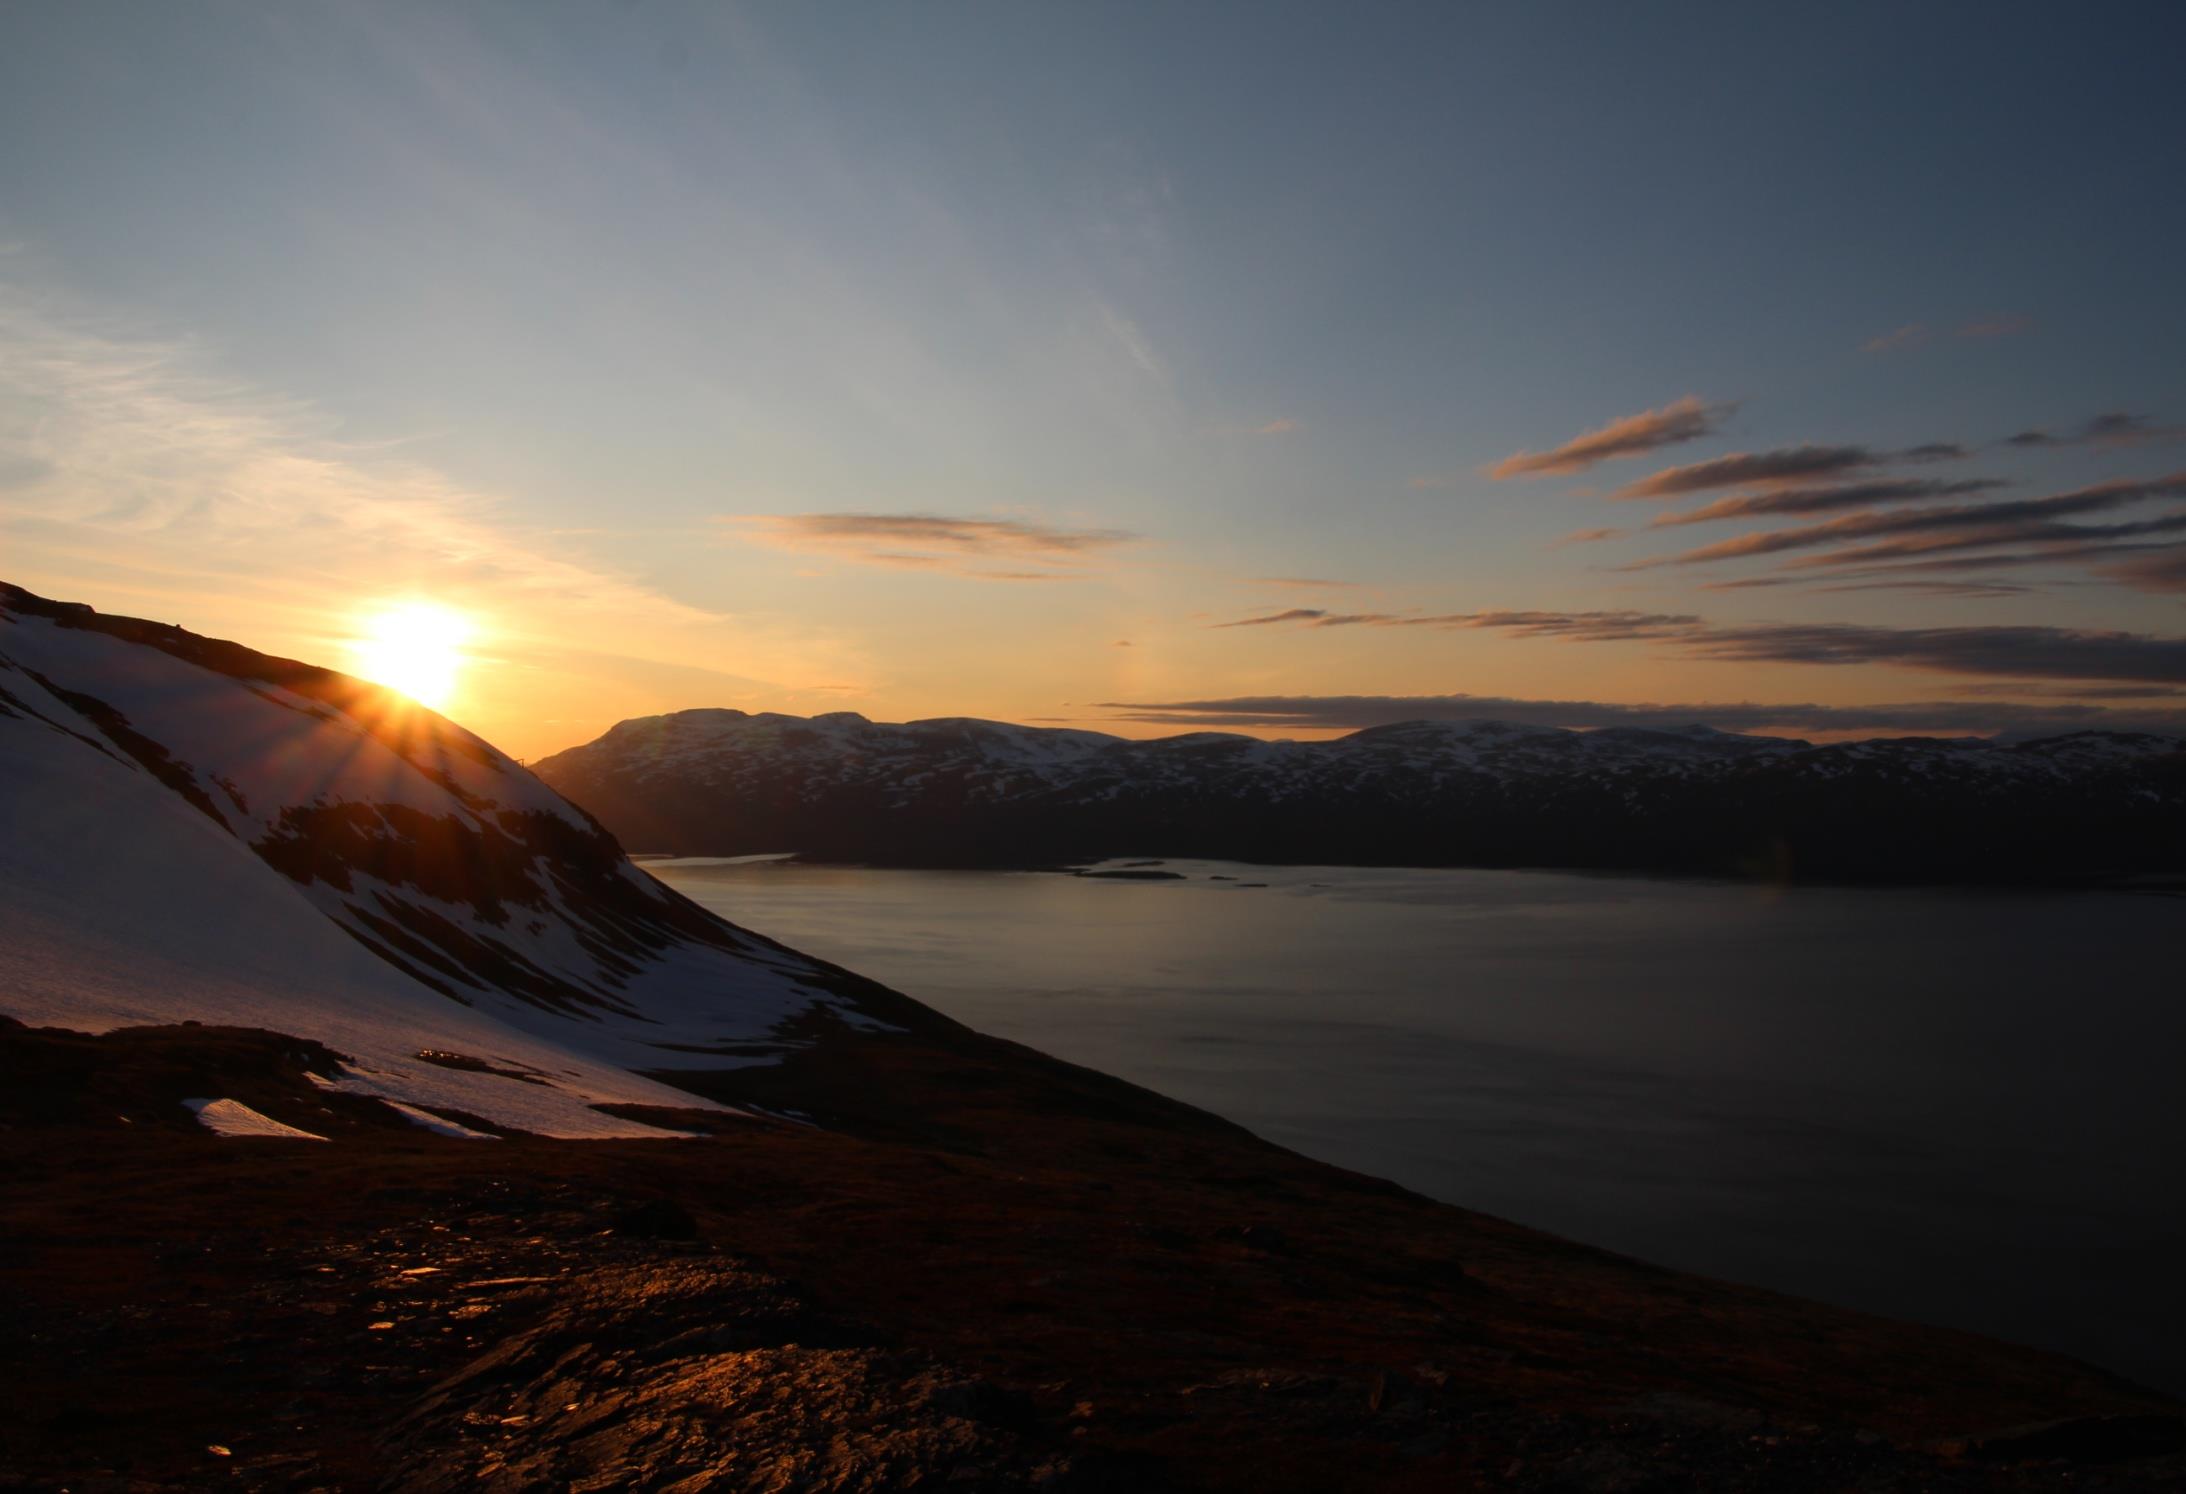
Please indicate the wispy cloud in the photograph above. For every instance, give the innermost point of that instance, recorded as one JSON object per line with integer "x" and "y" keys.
{"x": 1946, "y": 718}
{"x": 1966, "y": 590}
{"x": 2003, "y": 689}
{"x": 2064, "y": 543}
{"x": 1913, "y": 585}
{"x": 1588, "y": 536}
{"x": 1919, "y": 334}
{"x": 1316, "y": 615}
{"x": 1791, "y": 464}
{"x": 1135, "y": 344}
{"x": 2138, "y": 564}
{"x": 1599, "y": 627}
{"x": 1281, "y": 426}
{"x": 2160, "y": 568}
{"x": 152, "y": 482}
{"x": 132, "y": 438}
{"x": 1687, "y": 419}
{"x": 1590, "y": 627}
{"x": 984, "y": 549}
{"x": 1911, "y": 335}
{"x": 1822, "y": 500}
{"x": 1995, "y": 324}
{"x": 2028, "y": 652}
{"x": 1961, "y": 526}
{"x": 1304, "y": 583}
{"x": 2116, "y": 428}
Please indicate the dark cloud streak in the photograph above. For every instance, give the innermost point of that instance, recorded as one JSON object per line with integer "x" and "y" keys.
{"x": 1597, "y": 627}
{"x": 2017, "y": 651}
{"x": 2115, "y": 428}
{"x": 1354, "y": 712}
{"x": 1824, "y": 500}
{"x": 1291, "y": 615}
{"x": 1791, "y": 464}
{"x": 2023, "y": 652}
{"x": 2068, "y": 541}
{"x": 1986, "y": 523}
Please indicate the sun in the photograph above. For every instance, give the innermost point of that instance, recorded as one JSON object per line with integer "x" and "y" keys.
{"x": 415, "y": 647}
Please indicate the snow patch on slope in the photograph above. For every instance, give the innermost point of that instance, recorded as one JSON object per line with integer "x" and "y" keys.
{"x": 435, "y": 1124}
{"x": 234, "y": 1118}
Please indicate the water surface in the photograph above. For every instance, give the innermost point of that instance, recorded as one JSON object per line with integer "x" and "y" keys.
{"x": 1959, "y": 1107}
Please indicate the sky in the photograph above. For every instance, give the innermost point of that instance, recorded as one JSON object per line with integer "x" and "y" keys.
{"x": 1282, "y": 369}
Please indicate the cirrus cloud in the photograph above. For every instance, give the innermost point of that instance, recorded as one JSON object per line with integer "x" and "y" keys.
{"x": 2156, "y": 568}
{"x": 1789, "y": 464}
{"x": 1823, "y": 500}
{"x": 1687, "y": 419}
{"x": 1599, "y": 627}
{"x": 2021, "y": 651}
{"x": 984, "y": 549}
{"x": 1919, "y": 334}
{"x": 2028, "y": 520}
{"x": 2115, "y": 428}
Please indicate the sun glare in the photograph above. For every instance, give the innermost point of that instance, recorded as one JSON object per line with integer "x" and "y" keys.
{"x": 415, "y": 647}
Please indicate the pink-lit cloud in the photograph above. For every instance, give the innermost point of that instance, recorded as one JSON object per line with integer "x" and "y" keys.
{"x": 1687, "y": 419}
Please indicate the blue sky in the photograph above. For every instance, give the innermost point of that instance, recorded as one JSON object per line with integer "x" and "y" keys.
{"x": 569, "y": 315}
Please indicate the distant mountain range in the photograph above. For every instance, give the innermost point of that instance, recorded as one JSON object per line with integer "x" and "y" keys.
{"x": 2088, "y": 807}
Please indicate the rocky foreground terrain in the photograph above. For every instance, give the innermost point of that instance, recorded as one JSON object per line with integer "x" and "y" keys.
{"x": 978, "y": 1269}
{"x": 368, "y": 1121}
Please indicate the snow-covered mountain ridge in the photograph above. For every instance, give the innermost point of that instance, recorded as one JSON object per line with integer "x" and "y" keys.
{"x": 1481, "y": 792}
{"x": 200, "y": 832}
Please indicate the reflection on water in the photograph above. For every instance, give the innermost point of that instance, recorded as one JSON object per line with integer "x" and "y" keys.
{"x": 1961, "y": 1107}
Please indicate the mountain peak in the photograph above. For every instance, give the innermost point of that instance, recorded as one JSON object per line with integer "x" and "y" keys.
{"x": 259, "y": 816}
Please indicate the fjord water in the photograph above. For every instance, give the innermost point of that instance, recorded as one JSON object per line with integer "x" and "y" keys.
{"x": 1965, "y": 1108}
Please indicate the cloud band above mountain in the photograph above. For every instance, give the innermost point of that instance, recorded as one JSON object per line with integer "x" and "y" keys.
{"x": 2025, "y": 652}
{"x": 1352, "y": 712}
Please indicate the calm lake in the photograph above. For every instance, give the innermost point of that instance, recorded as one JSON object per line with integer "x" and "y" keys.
{"x": 1967, "y": 1108}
